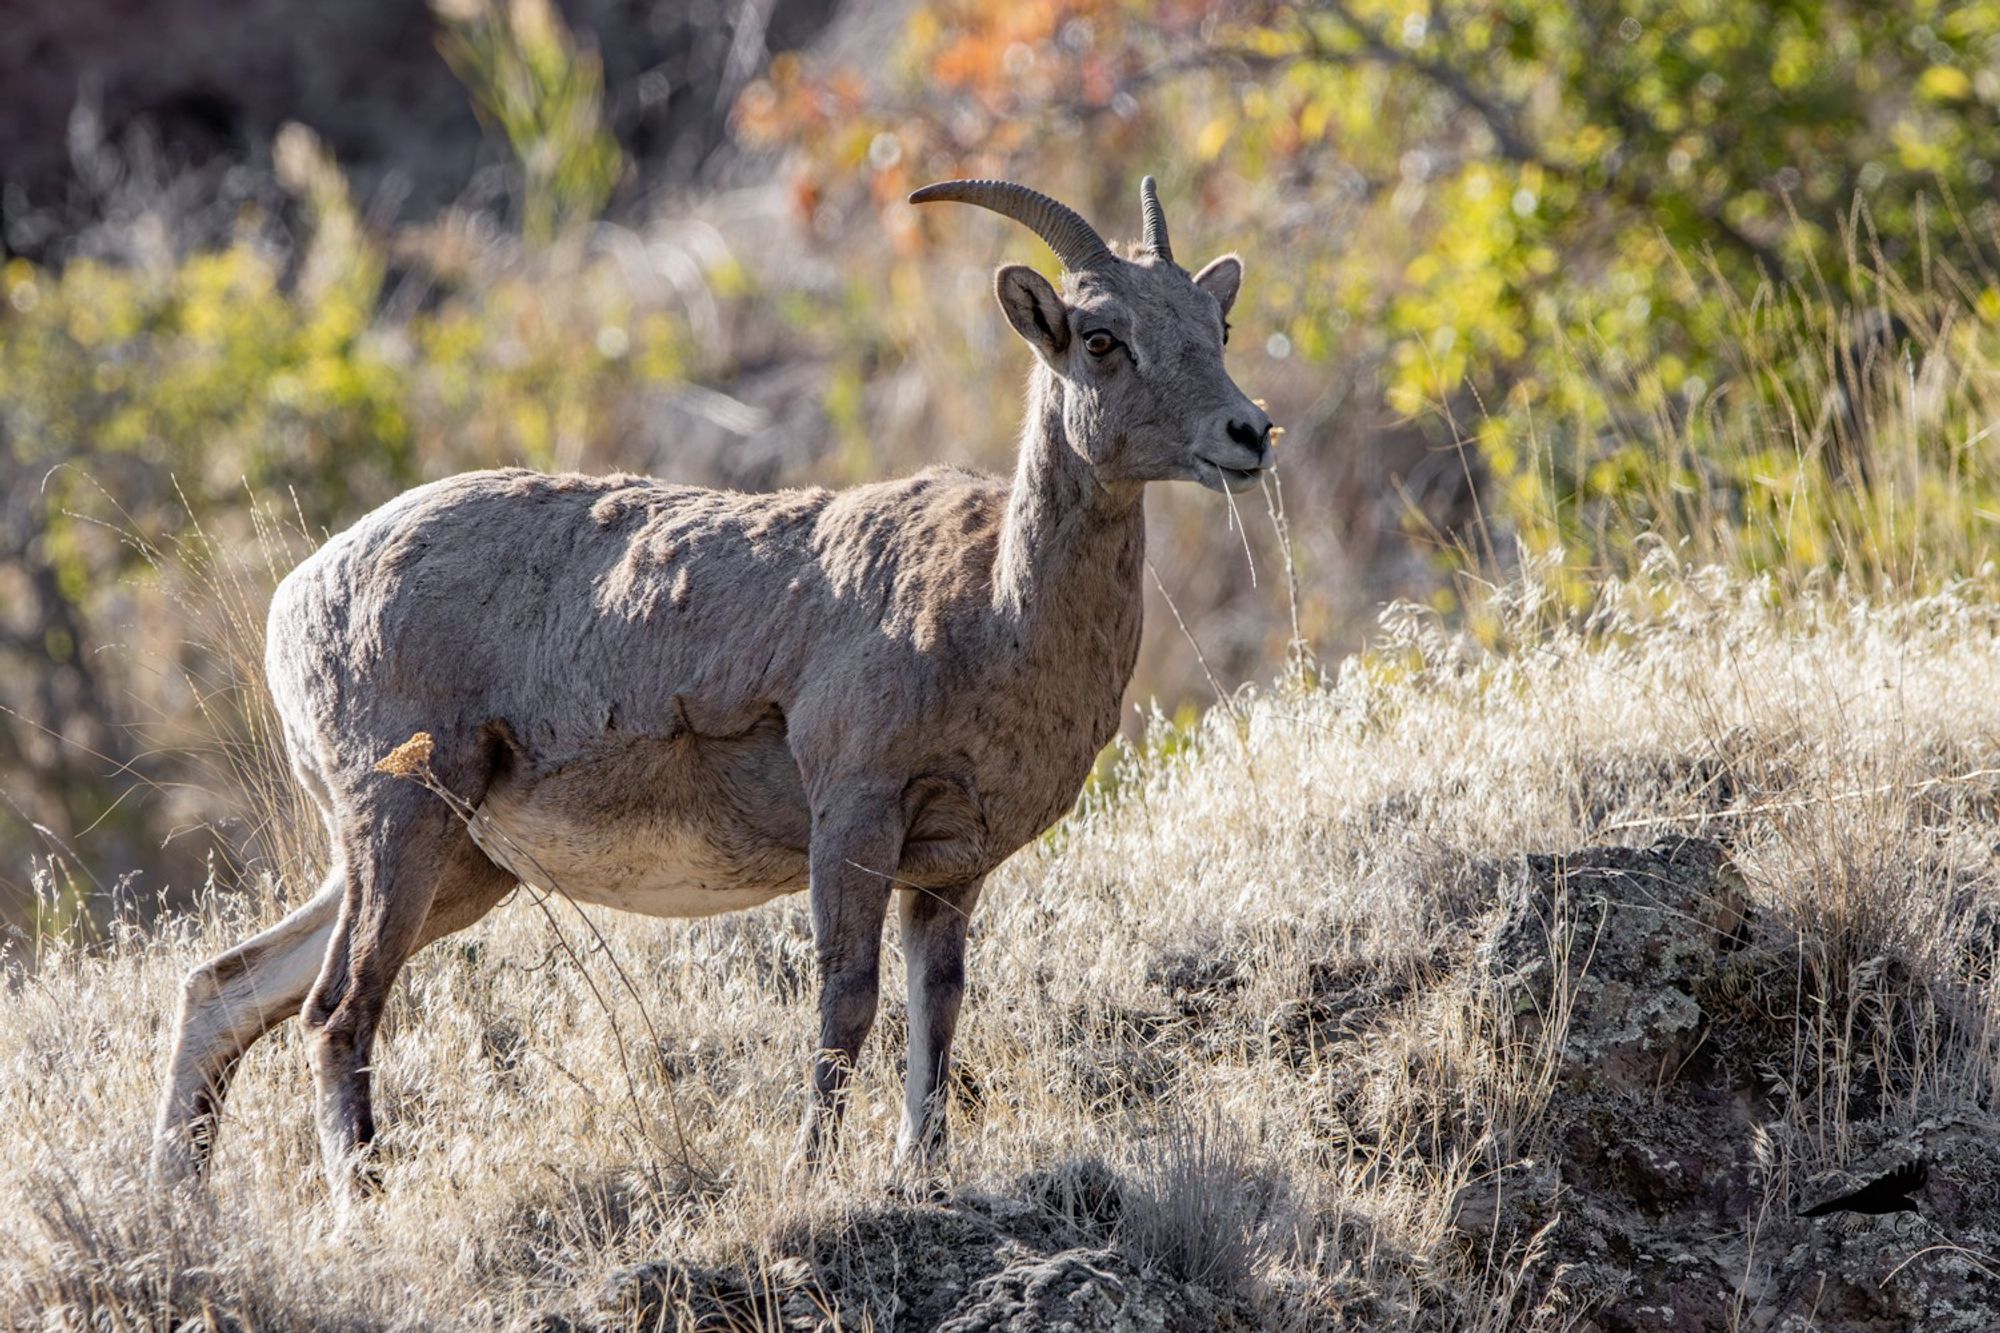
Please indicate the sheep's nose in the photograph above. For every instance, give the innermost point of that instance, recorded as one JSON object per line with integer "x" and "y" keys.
{"x": 1248, "y": 434}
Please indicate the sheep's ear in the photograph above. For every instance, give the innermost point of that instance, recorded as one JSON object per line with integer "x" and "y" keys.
{"x": 1033, "y": 308}
{"x": 1222, "y": 279}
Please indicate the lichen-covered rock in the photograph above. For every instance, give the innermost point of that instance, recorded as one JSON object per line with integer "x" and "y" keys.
{"x": 674, "y": 1296}
{"x": 1615, "y": 944}
{"x": 1661, "y": 1186}
{"x": 1045, "y": 1254}
{"x": 1075, "y": 1291}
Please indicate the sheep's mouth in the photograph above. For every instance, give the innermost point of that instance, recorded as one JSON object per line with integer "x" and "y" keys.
{"x": 1235, "y": 480}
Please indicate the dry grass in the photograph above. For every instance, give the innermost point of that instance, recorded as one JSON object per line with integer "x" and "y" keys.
{"x": 1210, "y": 1017}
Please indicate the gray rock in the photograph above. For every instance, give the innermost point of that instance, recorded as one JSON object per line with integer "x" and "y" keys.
{"x": 1662, "y": 1183}
{"x": 1075, "y": 1291}
{"x": 1615, "y": 943}
{"x": 672, "y": 1296}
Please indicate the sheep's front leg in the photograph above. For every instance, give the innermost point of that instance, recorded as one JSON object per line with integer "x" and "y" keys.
{"x": 934, "y": 925}
{"x": 855, "y": 848}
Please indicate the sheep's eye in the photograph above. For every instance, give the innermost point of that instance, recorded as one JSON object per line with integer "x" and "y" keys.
{"x": 1099, "y": 343}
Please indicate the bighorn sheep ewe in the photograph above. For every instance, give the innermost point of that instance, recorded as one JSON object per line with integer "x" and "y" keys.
{"x": 679, "y": 701}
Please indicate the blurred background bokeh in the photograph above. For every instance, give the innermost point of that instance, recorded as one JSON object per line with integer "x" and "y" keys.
{"x": 1588, "y": 284}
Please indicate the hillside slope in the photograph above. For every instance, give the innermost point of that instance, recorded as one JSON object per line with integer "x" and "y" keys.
{"x": 1323, "y": 1014}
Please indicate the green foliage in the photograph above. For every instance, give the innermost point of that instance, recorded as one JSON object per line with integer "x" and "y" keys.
{"x": 529, "y": 77}
{"x": 219, "y": 372}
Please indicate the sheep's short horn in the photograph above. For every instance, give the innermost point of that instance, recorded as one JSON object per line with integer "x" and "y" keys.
{"x": 1075, "y": 241}
{"x": 1156, "y": 220}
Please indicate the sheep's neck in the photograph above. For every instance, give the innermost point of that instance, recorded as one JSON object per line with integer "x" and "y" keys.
{"x": 1071, "y": 553}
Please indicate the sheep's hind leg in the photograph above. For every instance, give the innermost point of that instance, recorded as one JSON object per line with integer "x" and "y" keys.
{"x": 226, "y": 1005}
{"x": 412, "y": 869}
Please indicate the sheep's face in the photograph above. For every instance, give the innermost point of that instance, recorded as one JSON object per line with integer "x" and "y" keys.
{"x": 1137, "y": 348}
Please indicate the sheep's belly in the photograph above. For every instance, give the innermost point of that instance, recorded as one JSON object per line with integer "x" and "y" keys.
{"x": 660, "y": 866}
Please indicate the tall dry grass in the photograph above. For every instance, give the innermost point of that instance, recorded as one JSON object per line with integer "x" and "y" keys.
{"x": 1848, "y": 432}
{"x": 1157, "y": 1040}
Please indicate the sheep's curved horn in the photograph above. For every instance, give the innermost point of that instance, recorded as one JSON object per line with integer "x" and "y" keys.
{"x": 1075, "y": 241}
{"x": 1156, "y": 220}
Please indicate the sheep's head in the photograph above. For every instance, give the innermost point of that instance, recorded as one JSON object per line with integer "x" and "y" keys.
{"x": 1135, "y": 344}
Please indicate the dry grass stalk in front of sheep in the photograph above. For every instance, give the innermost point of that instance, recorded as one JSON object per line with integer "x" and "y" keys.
{"x": 412, "y": 760}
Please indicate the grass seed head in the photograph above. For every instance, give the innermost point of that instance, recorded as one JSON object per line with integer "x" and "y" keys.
{"x": 410, "y": 758}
